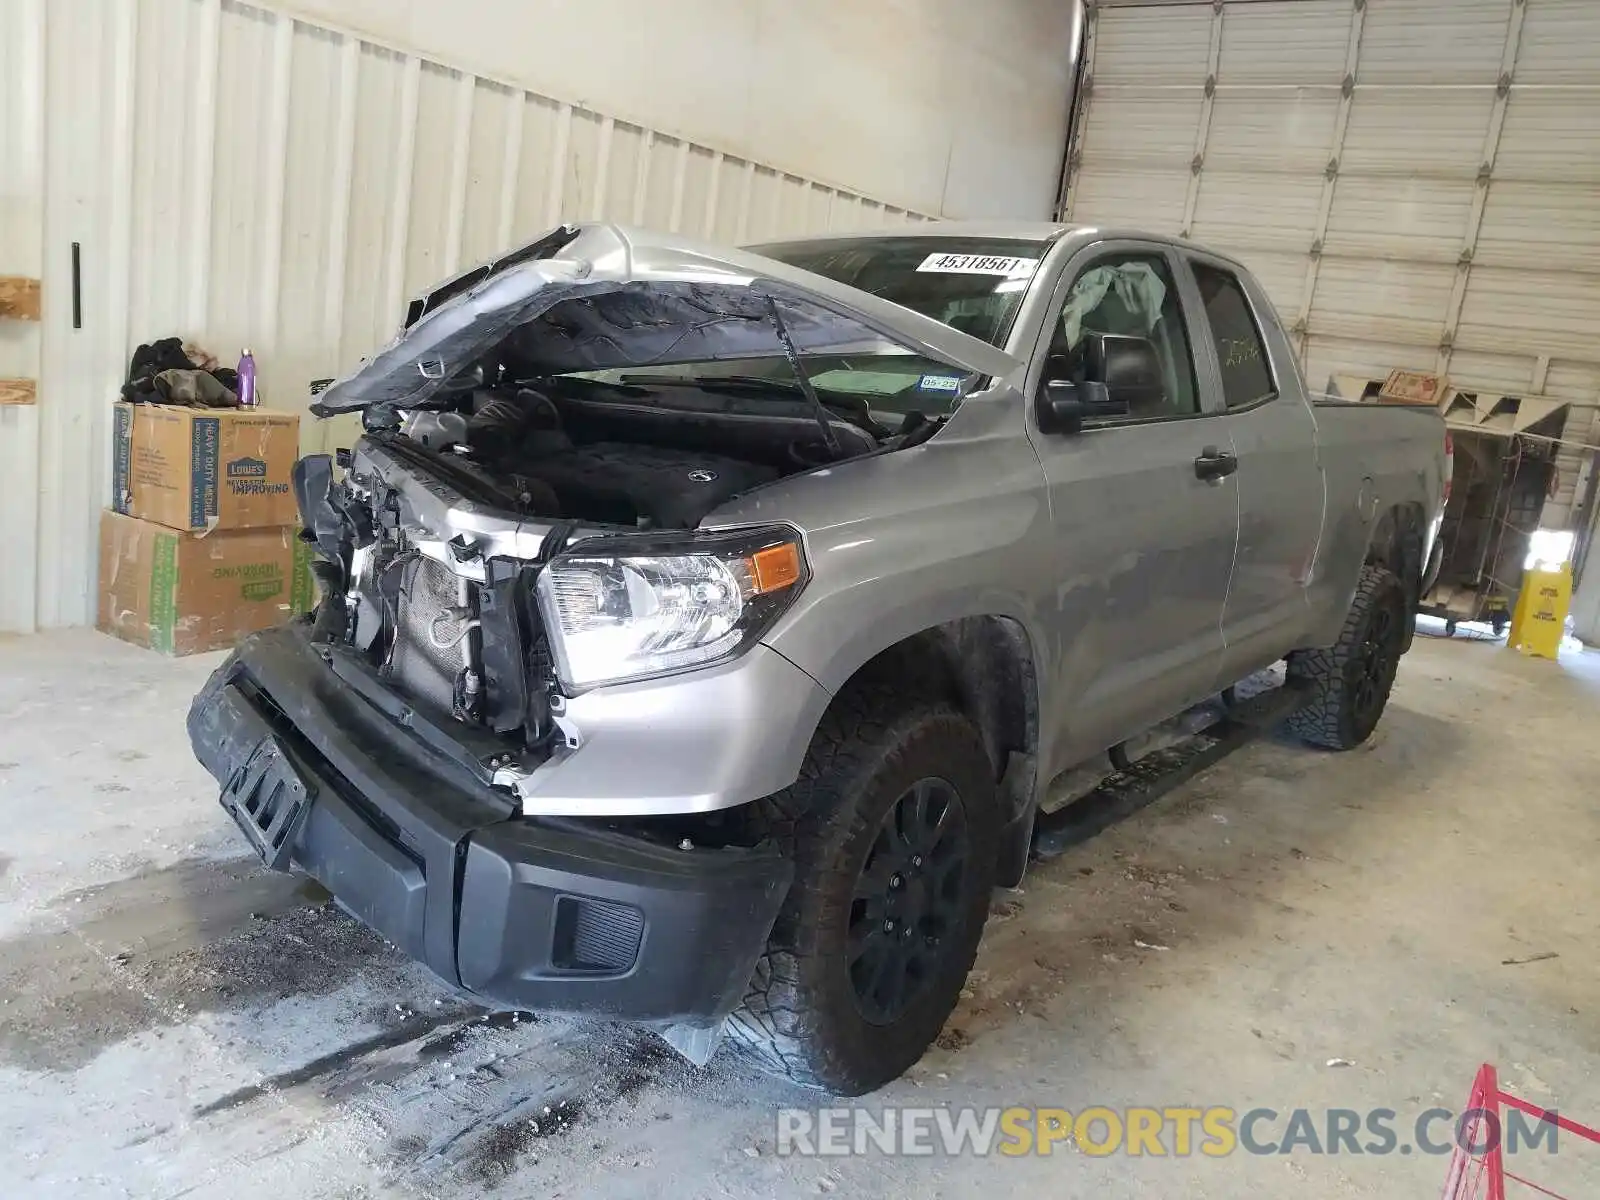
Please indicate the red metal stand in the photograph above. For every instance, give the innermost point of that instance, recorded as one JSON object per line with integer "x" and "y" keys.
{"x": 1477, "y": 1168}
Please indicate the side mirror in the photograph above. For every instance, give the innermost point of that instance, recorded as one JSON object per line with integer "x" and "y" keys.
{"x": 1064, "y": 405}
{"x": 1121, "y": 374}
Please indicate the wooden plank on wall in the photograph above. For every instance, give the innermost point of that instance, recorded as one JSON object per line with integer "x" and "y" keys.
{"x": 19, "y": 298}
{"x": 18, "y": 391}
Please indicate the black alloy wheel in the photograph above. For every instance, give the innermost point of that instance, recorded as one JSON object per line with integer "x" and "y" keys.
{"x": 1374, "y": 667}
{"x": 908, "y": 898}
{"x": 1347, "y": 684}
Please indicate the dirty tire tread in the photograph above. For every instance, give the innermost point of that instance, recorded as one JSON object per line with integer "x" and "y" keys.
{"x": 1325, "y": 719}
{"x": 783, "y": 1022}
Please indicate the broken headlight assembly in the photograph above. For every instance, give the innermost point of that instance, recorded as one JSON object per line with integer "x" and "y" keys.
{"x": 630, "y": 608}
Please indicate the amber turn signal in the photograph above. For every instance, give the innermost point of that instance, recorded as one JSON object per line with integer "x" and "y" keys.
{"x": 774, "y": 568}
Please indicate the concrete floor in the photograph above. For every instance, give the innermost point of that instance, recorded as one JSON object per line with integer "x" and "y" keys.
{"x": 176, "y": 1022}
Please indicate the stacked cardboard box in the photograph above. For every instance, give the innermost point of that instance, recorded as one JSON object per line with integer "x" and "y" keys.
{"x": 201, "y": 545}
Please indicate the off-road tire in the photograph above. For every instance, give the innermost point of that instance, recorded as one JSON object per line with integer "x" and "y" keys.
{"x": 800, "y": 1016}
{"x": 1340, "y": 714}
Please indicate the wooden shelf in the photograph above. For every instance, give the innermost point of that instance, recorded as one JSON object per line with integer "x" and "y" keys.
{"x": 19, "y": 298}
{"x": 18, "y": 391}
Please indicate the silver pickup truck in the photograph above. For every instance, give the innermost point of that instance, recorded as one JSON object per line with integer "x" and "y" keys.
{"x": 701, "y": 629}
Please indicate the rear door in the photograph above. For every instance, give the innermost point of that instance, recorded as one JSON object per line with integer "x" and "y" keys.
{"x": 1279, "y": 479}
{"x": 1144, "y": 531}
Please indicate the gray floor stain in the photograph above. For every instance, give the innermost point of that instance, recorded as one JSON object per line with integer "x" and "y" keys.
{"x": 200, "y": 934}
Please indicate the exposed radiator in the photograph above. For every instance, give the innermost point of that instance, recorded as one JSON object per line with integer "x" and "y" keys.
{"x": 430, "y": 646}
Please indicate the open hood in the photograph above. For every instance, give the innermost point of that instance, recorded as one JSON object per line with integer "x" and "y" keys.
{"x": 593, "y": 297}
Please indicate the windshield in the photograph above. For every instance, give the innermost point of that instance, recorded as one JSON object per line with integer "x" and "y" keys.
{"x": 974, "y": 285}
{"x": 971, "y": 284}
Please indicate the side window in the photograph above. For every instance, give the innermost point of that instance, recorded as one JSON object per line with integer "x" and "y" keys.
{"x": 1132, "y": 296}
{"x": 1246, "y": 377}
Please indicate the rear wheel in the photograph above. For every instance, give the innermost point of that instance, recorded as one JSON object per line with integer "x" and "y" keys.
{"x": 892, "y": 829}
{"x": 1350, "y": 681}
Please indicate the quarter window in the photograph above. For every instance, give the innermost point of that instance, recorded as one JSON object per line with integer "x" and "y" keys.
{"x": 1241, "y": 353}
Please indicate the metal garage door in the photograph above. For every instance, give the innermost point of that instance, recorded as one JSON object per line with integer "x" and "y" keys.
{"x": 1417, "y": 182}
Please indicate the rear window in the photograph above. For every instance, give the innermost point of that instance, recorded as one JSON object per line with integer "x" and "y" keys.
{"x": 971, "y": 284}
{"x": 1241, "y": 353}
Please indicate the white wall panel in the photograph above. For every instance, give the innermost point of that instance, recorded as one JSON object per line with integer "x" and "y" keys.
{"x": 282, "y": 175}
{"x": 1546, "y": 226}
{"x": 935, "y": 105}
{"x": 1257, "y": 211}
{"x": 1407, "y": 42}
{"x": 1399, "y": 216}
{"x": 1548, "y": 312}
{"x": 1294, "y": 42}
{"x": 1281, "y": 132}
{"x": 1416, "y": 131}
{"x": 1131, "y": 199}
{"x": 1551, "y": 136}
{"x": 1382, "y": 300}
{"x": 88, "y": 158}
{"x": 1142, "y": 129}
{"x": 1148, "y": 45}
{"x": 21, "y": 253}
{"x": 1561, "y": 37}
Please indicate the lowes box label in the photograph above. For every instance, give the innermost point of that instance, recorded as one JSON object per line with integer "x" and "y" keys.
{"x": 248, "y": 477}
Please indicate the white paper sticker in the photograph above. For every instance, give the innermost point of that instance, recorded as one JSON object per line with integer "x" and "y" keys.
{"x": 979, "y": 264}
{"x": 939, "y": 383}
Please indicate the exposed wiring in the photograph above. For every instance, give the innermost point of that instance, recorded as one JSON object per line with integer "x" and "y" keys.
{"x": 452, "y": 614}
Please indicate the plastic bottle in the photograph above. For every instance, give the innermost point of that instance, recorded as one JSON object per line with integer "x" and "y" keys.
{"x": 247, "y": 379}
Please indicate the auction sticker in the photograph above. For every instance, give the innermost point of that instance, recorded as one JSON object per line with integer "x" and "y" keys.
{"x": 979, "y": 264}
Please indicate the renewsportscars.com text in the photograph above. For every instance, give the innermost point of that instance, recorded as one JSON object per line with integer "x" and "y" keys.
{"x": 1169, "y": 1131}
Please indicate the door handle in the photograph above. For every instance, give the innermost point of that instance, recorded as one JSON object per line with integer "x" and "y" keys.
{"x": 1214, "y": 465}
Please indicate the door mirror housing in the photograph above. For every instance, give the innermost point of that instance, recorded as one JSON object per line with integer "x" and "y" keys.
{"x": 1121, "y": 375}
{"x": 1064, "y": 405}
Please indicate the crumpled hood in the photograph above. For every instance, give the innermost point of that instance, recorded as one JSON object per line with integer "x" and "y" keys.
{"x": 593, "y": 297}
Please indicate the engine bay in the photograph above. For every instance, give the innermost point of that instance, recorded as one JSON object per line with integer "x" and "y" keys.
{"x": 657, "y": 455}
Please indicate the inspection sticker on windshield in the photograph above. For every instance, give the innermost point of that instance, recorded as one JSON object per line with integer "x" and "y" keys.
{"x": 980, "y": 264}
{"x": 939, "y": 383}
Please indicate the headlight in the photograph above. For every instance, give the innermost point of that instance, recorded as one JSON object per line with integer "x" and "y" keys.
{"x": 626, "y": 608}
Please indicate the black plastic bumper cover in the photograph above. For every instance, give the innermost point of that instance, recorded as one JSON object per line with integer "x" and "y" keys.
{"x": 560, "y": 915}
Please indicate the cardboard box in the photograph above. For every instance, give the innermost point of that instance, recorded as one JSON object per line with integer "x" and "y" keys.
{"x": 204, "y": 468}
{"x": 180, "y": 593}
{"x": 1412, "y": 387}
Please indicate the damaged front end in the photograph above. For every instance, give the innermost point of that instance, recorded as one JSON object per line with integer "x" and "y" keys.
{"x": 499, "y": 625}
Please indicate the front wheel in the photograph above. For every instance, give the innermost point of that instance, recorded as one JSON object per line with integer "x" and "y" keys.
{"x": 1349, "y": 682}
{"x": 892, "y": 829}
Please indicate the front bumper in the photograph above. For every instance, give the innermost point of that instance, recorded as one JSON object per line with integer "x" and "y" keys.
{"x": 537, "y": 912}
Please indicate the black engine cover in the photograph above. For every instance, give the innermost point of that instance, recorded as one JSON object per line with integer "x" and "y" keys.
{"x": 621, "y": 483}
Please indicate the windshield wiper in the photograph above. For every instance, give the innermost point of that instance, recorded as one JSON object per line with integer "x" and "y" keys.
{"x": 710, "y": 383}
{"x": 843, "y": 404}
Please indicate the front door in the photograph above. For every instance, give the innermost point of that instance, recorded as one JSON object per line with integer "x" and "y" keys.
{"x": 1144, "y": 522}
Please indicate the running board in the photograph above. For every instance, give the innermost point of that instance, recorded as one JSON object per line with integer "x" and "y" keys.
{"x": 1146, "y": 780}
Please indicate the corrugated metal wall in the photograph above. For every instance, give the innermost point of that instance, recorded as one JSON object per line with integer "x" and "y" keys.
{"x": 1417, "y": 182}
{"x": 243, "y": 178}
{"x": 21, "y": 215}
